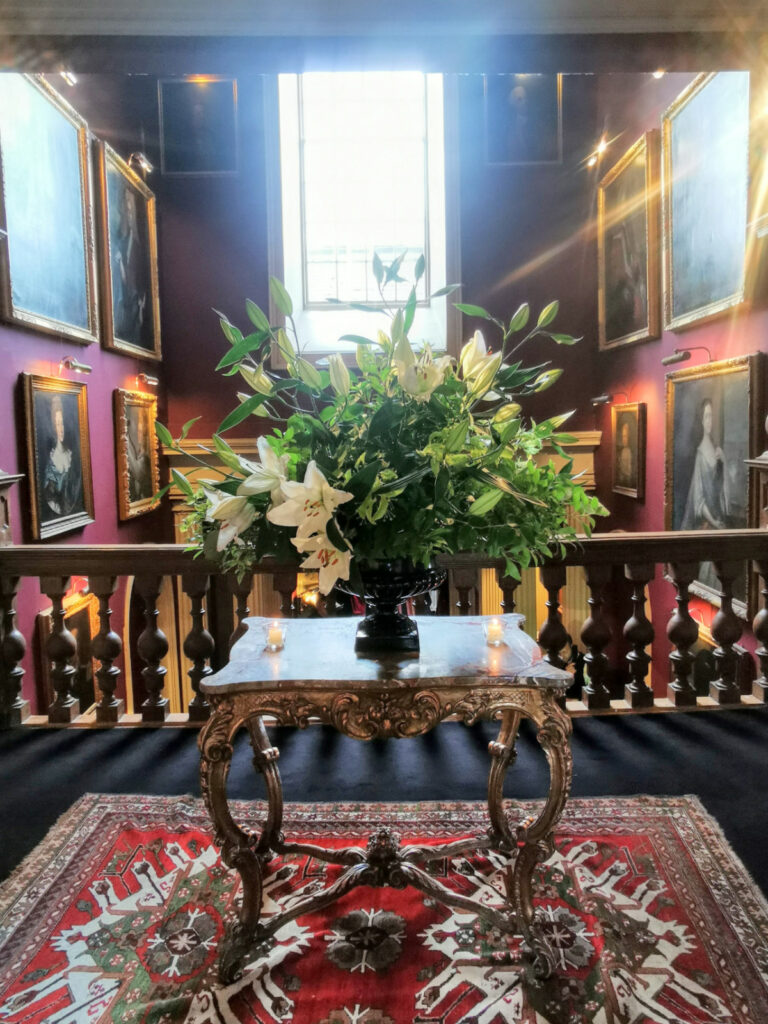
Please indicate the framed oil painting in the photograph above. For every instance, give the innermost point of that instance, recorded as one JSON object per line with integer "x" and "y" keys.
{"x": 198, "y": 125}
{"x": 628, "y": 423}
{"x": 59, "y": 455}
{"x": 138, "y": 476}
{"x": 705, "y": 171}
{"x": 128, "y": 236}
{"x": 47, "y": 266}
{"x": 715, "y": 414}
{"x": 628, "y": 247}
{"x": 523, "y": 119}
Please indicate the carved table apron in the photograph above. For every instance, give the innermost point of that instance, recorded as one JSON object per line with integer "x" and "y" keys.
{"x": 318, "y": 677}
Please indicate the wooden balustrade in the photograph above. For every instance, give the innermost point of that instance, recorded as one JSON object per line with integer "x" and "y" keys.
{"x": 216, "y": 606}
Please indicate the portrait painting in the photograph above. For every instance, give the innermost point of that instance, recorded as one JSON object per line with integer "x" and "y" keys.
{"x": 198, "y": 125}
{"x": 628, "y": 423}
{"x": 128, "y": 235}
{"x": 628, "y": 247}
{"x": 138, "y": 476}
{"x": 523, "y": 119}
{"x": 714, "y": 417}
{"x": 47, "y": 268}
{"x": 705, "y": 151}
{"x": 59, "y": 455}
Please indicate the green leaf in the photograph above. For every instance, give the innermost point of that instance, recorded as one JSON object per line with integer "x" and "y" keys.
{"x": 470, "y": 310}
{"x": 361, "y": 483}
{"x": 402, "y": 482}
{"x": 163, "y": 434}
{"x": 485, "y": 503}
{"x": 334, "y": 535}
{"x": 418, "y": 271}
{"x": 358, "y": 339}
{"x": 548, "y": 314}
{"x": 410, "y": 310}
{"x": 256, "y": 315}
{"x": 226, "y": 454}
{"x": 182, "y": 483}
{"x": 188, "y": 426}
{"x": 378, "y": 268}
{"x": 393, "y": 270}
{"x": 454, "y": 439}
{"x": 239, "y": 414}
{"x": 564, "y": 339}
{"x": 441, "y": 484}
{"x": 231, "y": 333}
{"x": 242, "y": 348}
{"x": 445, "y": 290}
{"x": 520, "y": 319}
{"x": 280, "y": 296}
{"x": 505, "y": 485}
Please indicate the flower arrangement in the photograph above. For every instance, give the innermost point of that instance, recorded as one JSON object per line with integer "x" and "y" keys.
{"x": 411, "y": 456}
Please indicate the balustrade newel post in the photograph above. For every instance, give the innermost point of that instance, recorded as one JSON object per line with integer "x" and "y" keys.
{"x": 508, "y": 586}
{"x": 198, "y": 643}
{"x": 726, "y": 631}
{"x": 682, "y": 631}
{"x": 241, "y": 588}
{"x": 760, "y": 629}
{"x": 13, "y": 708}
{"x": 107, "y": 647}
{"x": 639, "y": 632}
{"x": 153, "y": 647}
{"x": 596, "y": 635}
{"x": 553, "y": 635}
{"x": 61, "y": 648}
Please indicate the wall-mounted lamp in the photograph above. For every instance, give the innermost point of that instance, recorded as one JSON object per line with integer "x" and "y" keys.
{"x": 70, "y": 363}
{"x": 139, "y": 161}
{"x": 69, "y": 77}
{"x": 659, "y": 73}
{"x": 601, "y": 400}
{"x": 149, "y": 381}
{"x": 682, "y": 355}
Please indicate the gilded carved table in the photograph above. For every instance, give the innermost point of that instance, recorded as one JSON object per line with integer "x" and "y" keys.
{"x": 318, "y": 677}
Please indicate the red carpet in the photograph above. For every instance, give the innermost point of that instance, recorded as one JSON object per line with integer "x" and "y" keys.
{"x": 116, "y": 916}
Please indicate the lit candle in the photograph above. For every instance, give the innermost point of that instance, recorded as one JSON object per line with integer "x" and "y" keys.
{"x": 494, "y": 633}
{"x": 275, "y": 636}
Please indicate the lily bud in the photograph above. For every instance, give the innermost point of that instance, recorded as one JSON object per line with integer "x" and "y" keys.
{"x": 339, "y": 374}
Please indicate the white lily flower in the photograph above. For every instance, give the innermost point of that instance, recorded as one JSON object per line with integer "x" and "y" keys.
{"x": 308, "y": 505}
{"x": 473, "y": 355}
{"x": 339, "y": 374}
{"x": 419, "y": 377}
{"x": 269, "y": 476}
{"x": 234, "y": 513}
{"x": 332, "y": 563}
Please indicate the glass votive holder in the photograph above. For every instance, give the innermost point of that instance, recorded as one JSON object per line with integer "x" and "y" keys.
{"x": 275, "y": 636}
{"x": 493, "y": 631}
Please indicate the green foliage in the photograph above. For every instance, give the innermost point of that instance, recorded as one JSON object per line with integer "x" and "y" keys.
{"x": 437, "y": 458}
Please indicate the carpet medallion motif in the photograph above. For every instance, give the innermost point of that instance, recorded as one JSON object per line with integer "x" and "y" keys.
{"x": 117, "y": 916}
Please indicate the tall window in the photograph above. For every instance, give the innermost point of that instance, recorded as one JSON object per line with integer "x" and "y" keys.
{"x": 362, "y": 160}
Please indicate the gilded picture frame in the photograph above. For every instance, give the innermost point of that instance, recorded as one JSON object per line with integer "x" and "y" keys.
{"x": 705, "y": 198}
{"x": 47, "y": 244}
{"x": 628, "y": 451}
{"x": 198, "y": 125}
{"x": 58, "y": 455}
{"x": 628, "y": 250}
{"x": 714, "y": 415}
{"x": 523, "y": 119}
{"x": 130, "y": 297}
{"x": 137, "y": 457}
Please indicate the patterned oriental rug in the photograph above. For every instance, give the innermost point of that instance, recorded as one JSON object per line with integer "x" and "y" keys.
{"x": 116, "y": 917}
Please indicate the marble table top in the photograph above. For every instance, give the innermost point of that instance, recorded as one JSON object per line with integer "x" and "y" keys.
{"x": 319, "y": 653}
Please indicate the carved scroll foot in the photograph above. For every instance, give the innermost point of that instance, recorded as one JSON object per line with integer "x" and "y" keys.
{"x": 239, "y": 941}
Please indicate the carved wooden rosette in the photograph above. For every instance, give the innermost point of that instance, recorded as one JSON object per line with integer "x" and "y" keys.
{"x": 13, "y": 708}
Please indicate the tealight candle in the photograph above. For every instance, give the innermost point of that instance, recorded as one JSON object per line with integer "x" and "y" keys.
{"x": 275, "y": 637}
{"x": 494, "y": 633}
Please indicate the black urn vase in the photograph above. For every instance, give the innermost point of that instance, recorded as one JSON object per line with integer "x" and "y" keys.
{"x": 386, "y": 587}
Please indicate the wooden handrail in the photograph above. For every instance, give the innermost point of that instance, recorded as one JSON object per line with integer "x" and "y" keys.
{"x": 174, "y": 559}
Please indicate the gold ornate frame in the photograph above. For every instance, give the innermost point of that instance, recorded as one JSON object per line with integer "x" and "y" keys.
{"x": 33, "y": 383}
{"x": 129, "y": 509}
{"x": 487, "y": 126}
{"x": 106, "y": 157}
{"x": 719, "y": 305}
{"x": 647, "y": 147}
{"x": 192, "y": 81}
{"x": 638, "y": 408}
{"x": 754, "y": 367}
{"x": 29, "y": 318}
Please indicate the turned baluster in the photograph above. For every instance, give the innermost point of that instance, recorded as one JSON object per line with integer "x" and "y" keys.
{"x": 508, "y": 586}
{"x": 726, "y": 631}
{"x": 242, "y": 591}
{"x": 285, "y": 584}
{"x": 153, "y": 647}
{"x": 596, "y": 635}
{"x": 198, "y": 643}
{"x": 760, "y": 629}
{"x": 683, "y": 631}
{"x": 639, "y": 631}
{"x": 553, "y": 635}
{"x": 107, "y": 646}
{"x": 422, "y": 603}
{"x": 13, "y": 709}
{"x": 465, "y": 579}
{"x": 61, "y": 647}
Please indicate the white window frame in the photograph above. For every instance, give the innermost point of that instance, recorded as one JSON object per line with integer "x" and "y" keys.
{"x": 437, "y": 320}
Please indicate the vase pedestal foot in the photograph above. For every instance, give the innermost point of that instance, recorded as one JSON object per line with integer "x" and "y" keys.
{"x": 382, "y": 633}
